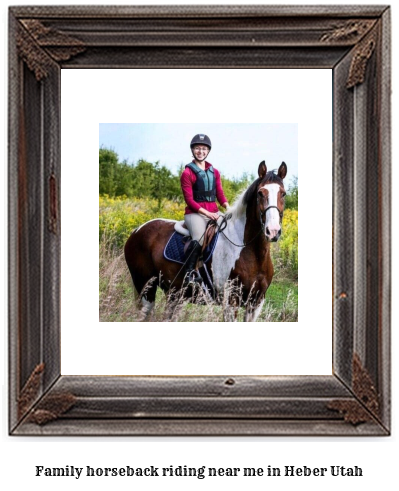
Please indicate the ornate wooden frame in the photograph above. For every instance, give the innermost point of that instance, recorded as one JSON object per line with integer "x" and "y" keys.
{"x": 353, "y": 41}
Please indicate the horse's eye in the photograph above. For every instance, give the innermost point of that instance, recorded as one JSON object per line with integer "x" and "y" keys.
{"x": 283, "y": 195}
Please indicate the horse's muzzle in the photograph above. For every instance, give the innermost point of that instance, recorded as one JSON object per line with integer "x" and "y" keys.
{"x": 271, "y": 235}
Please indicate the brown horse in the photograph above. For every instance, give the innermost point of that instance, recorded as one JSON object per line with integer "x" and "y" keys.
{"x": 241, "y": 255}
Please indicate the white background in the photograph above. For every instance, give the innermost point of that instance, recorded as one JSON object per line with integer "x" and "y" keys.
{"x": 377, "y": 456}
{"x": 199, "y": 348}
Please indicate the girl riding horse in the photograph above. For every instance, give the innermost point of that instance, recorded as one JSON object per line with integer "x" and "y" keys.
{"x": 201, "y": 186}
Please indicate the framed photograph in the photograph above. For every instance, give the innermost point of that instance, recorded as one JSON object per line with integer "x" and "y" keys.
{"x": 351, "y": 398}
{"x": 146, "y": 191}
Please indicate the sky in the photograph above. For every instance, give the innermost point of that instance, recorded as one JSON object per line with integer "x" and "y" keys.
{"x": 236, "y": 148}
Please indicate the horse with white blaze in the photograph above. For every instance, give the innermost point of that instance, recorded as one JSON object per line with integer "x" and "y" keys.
{"x": 240, "y": 257}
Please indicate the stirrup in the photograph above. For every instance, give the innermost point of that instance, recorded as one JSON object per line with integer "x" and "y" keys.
{"x": 192, "y": 277}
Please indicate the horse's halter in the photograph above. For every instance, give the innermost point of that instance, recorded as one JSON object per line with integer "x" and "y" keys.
{"x": 227, "y": 217}
{"x": 262, "y": 215}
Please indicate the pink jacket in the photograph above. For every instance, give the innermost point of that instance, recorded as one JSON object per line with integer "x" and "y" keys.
{"x": 187, "y": 180}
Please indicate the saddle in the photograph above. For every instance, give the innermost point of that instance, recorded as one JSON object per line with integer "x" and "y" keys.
{"x": 180, "y": 239}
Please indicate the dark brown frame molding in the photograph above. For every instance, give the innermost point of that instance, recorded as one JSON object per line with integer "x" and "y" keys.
{"x": 352, "y": 41}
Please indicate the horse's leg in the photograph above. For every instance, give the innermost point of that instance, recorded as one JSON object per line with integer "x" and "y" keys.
{"x": 256, "y": 297}
{"x": 230, "y": 309}
{"x": 252, "y": 311}
{"x": 145, "y": 309}
{"x": 147, "y": 299}
{"x": 173, "y": 301}
{"x": 142, "y": 270}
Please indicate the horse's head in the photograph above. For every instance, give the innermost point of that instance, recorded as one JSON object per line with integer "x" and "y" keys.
{"x": 270, "y": 200}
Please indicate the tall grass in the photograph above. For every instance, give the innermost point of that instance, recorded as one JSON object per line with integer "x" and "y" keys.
{"x": 119, "y": 302}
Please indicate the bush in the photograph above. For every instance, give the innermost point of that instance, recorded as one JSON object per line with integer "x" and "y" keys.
{"x": 285, "y": 255}
{"x": 120, "y": 216}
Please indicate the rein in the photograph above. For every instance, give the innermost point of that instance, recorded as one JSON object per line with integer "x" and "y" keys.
{"x": 223, "y": 226}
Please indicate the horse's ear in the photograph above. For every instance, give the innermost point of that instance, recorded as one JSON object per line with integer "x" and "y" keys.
{"x": 282, "y": 170}
{"x": 262, "y": 169}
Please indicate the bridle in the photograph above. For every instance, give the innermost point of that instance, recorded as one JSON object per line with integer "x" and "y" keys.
{"x": 262, "y": 222}
{"x": 263, "y": 214}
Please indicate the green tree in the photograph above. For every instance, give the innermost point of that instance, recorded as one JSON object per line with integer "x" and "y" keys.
{"x": 164, "y": 185}
{"x": 124, "y": 180}
{"x": 108, "y": 162}
{"x": 143, "y": 175}
{"x": 291, "y": 199}
{"x": 152, "y": 180}
{"x": 233, "y": 187}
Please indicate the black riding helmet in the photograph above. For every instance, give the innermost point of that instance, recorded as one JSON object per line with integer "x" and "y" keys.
{"x": 201, "y": 140}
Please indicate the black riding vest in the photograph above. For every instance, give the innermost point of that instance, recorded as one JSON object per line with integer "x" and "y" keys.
{"x": 204, "y": 188}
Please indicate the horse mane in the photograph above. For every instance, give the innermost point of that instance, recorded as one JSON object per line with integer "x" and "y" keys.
{"x": 239, "y": 207}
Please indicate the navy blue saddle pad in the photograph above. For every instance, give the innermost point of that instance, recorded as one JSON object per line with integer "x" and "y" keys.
{"x": 174, "y": 250}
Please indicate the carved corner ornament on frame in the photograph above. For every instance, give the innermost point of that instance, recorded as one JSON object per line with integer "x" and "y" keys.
{"x": 353, "y": 42}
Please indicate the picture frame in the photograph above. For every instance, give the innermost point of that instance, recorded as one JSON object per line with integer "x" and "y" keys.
{"x": 352, "y": 41}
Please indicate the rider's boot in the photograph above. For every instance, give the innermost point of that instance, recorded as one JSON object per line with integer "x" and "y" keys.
{"x": 193, "y": 252}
